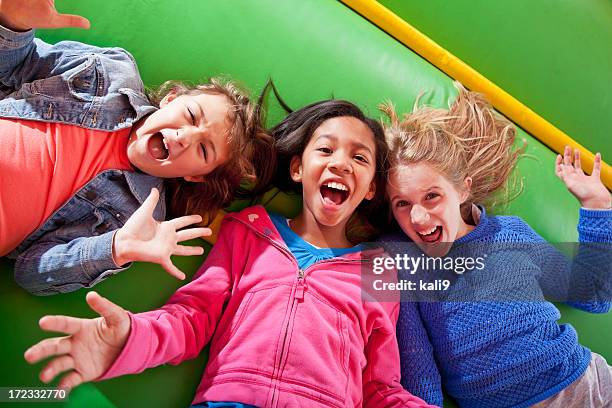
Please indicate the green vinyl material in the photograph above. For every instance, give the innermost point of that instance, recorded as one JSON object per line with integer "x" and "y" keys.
{"x": 313, "y": 50}
{"x": 552, "y": 55}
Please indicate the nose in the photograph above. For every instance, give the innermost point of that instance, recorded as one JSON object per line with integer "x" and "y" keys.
{"x": 419, "y": 215}
{"x": 186, "y": 137}
{"x": 340, "y": 163}
{"x": 183, "y": 138}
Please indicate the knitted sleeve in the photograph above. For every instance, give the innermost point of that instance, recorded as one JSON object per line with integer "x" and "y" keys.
{"x": 420, "y": 375}
{"x": 582, "y": 279}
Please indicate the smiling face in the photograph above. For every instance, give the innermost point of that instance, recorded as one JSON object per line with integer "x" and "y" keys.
{"x": 427, "y": 207}
{"x": 187, "y": 137}
{"x": 336, "y": 170}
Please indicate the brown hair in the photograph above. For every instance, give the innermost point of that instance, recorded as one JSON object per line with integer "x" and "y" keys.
{"x": 294, "y": 132}
{"x": 248, "y": 170}
{"x": 469, "y": 139}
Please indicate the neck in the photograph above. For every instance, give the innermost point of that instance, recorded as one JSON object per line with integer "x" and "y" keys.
{"x": 323, "y": 236}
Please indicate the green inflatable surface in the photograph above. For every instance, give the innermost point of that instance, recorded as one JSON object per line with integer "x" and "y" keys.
{"x": 313, "y": 50}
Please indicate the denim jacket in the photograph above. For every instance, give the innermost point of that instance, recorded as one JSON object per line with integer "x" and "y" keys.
{"x": 91, "y": 87}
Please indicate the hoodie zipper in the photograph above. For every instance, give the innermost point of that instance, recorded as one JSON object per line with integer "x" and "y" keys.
{"x": 298, "y": 295}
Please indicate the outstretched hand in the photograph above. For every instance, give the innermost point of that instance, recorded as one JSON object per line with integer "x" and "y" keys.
{"x": 22, "y": 15}
{"x": 589, "y": 190}
{"x": 91, "y": 347}
{"x": 142, "y": 238}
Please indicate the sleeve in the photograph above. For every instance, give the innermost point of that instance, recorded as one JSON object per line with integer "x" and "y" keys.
{"x": 53, "y": 266}
{"x": 381, "y": 379}
{"x": 581, "y": 274}
{"x": 183, "y": 326}
{"x": 420, "y": 373}
{"x": 15, "y": 49}
{"x": 25, "y": 59}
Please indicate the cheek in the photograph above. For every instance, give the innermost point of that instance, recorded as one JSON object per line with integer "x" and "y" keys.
{"x": 403, "y": 219}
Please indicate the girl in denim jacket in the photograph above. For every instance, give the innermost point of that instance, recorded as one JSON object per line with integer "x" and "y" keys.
{"x": 281, "y": 298}
{"x": 85, "y": 153}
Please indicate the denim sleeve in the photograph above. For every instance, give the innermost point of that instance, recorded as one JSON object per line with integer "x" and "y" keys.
{"x": 15, "y": 48}
{"x": 582, "y": 276}
{"x": 420, "y": 374}
{"x": 25, "y": 59}
{"x": 47, "y": 268}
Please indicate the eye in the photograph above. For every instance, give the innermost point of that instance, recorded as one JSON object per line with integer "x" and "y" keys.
{"x": 204, "y": 151}
{"x": 431, "y": 196}
{"x": 402, "y": 203}
{"x": 193, "y": 119}
{"x": 361, "y": 158}
{"x": 325, "y": 150}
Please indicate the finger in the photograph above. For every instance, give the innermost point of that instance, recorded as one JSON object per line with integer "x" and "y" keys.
{"x": 567, "y": 156}
{"x": 173, "y": 270}
{"x": 70, "y": 20}
{"x": 184, "y": 221}
{"x": 577, "y": 164}
{"x": 56, "y": 366}
{"x": 112, "y": 313}
{"x": 597, "y": 165}
{"x": 192, "y": 233}
{"x": 71, "y": 380}
{"x": 184, "y": 250}
{"x": 47, "y": 348}
{"x": 60, "y": 324}
{"x": 148, "y": 206}
{"x": 558, "y": 167}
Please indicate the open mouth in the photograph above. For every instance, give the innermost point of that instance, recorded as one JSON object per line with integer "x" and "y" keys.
{"x": 334, "y": 193}
{"x": 433, "y": 235}
{"x": 157, "y": 146}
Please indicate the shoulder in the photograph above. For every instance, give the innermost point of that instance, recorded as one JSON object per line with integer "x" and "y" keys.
{"x": 511, "y": 229}
{"x": 253, "y": 219}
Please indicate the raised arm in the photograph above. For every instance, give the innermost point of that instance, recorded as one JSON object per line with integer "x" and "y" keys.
{"x": 52, "y": 265}
{"x": 583, "y": 280}
{"x": 130, "y": 343}
{"x": 23, "y": 58}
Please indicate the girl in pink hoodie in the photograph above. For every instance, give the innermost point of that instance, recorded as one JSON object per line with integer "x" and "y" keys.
{"x": 282, "y": 299}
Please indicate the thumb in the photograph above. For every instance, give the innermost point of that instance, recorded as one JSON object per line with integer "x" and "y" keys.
{"x": 113, "y": 314}
{"x": 148, "y": 206}
{"x": 70, "y": 20}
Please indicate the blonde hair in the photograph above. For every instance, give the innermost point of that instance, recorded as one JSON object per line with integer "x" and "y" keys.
{"x": 468, "y": 140}
{"x": 252, "y": 159}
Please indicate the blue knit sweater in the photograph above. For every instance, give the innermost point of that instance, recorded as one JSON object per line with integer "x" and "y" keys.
{"x": 502, "y": 353}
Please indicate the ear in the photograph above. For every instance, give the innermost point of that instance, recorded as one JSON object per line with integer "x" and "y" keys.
{"x": 170, "y": 96}
{"x": 295, "y": 169}
{"x": 194, "y": 179}
{"x": 371, "y": 192}
{"x": 467, "y": 188}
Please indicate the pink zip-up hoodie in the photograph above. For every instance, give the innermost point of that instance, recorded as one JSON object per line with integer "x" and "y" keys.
{"x": 284, "y": 337}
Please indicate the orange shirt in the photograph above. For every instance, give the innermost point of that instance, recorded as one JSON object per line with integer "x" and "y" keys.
{"x": 42, "y": 165}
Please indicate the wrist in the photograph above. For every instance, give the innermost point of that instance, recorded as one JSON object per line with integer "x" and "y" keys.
{"x": 597, "y": 203}
{"x": 4, "y": 22}
{"x": 121, "y": 249}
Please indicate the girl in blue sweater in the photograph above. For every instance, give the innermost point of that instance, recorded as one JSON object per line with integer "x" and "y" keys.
{"x": 491, "y": 339}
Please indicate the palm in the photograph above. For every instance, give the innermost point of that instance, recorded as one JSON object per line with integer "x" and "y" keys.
{"x": 589, "y": 190}
{"x": 26, "y": 14}
{"x": 91, "y": 347}
{"x": 142, "y": 238}
{"x": 95, "y": 347}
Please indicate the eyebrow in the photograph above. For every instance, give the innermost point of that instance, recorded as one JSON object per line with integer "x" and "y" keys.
{"x": 359, "y": 145}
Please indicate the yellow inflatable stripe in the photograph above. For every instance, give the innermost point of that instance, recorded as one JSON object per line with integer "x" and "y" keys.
{"x": 459, "y": 70}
